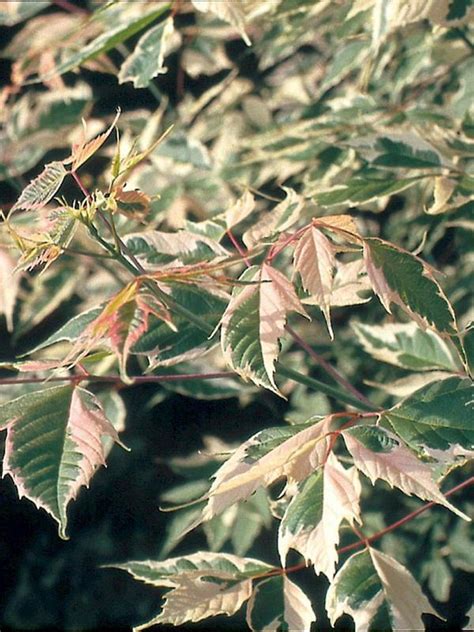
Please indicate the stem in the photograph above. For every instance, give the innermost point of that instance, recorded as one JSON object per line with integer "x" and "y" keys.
{"x": 80, "y": 185}
{"x": 115, "y": 379}
{"x": 363, "y": 541}
{"x": 403, "y": 520}
{"x": 69, "y": 7}
{"x": 325, "y": 388}
{"x": 238, "y": 247}
{"x": 330, "y": 370}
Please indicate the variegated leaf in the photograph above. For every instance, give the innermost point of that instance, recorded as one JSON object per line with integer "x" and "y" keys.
{"x": 42, "y": 189}
{"x": 380, "y": 454}
{"x": 254, "y": 322}
{"x": 54, "y": 445}
{"x": 312, "y": 520}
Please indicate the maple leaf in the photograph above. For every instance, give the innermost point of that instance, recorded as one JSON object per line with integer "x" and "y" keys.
{"x": 378, "y": 453}
{"x": 401, "y": 278}
{"x": 82, "y": 151}
{"x": 314, "y": 259}
{"x": 312, "y": 520}
{"x": 267, "y": 456}
{"x": 42, "y": 189}
{"x": 254, "y": 322}
{"x": 227, "y": 10}
{"x": 372, "y": 586}
{"x": 277, "y": 603}
{"x": 59, "y": 429}
{"x": 120, "y": 325}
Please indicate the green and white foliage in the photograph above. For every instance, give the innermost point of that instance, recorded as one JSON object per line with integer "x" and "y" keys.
{"x": 306, "y": 224}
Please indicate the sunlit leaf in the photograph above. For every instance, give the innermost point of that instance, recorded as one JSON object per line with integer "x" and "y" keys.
{"x": 279, "y": 604}
{"x": 42, "y": 189}
{"x": 147, "y": 59}
{"x": 401, "y": 278}
{"x": 380, "y": 454}
{"x": 312, "y": 520}
{"x": 254, "y": 322}
{"x": 53, "y": 445}
{"x": 9, "y": 286}
{"x": 378, "y": 593}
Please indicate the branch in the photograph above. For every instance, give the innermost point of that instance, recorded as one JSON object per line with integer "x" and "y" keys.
{"x": 115, "y": 379}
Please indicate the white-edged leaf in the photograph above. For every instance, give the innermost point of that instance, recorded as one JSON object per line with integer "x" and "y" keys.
{"x": 312, "y": 520}
{"x": 405, "y": 345}
{"x": 266, "y": 457}
{"x": 240, "y": 209}
{"x": 254, "y": 322}
{"x": 203, "y": 584}
{"x": 147, "y": 59}
{"x": 54, "y": 445}
{"x": 378, "y": 593}
{"x": 42, "y": 189}
{"x": 277, "y": 604}
{"x": 401, "y": 278}
{"x": 315, "y": 261}
{"x": 378, "y": 453}
{"x": 231, "y": 11}
{"x": 277, "y": 220}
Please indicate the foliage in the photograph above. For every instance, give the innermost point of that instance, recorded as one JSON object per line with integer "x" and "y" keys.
{"x": 278, "y": 236}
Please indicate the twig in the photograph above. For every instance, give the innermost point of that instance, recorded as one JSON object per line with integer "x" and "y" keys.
{"x": 115, "y": 379}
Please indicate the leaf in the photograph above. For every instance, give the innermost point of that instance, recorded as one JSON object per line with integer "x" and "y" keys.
{"x": 406, "y": 151}
{"x": 147, "y": 59}
{"x": 361, "y": 190}
{"x": 132, "y": 23}
{"x": 167, "y": 347}
{"x": 380, "y": 454}
{"x": 276, "y": 221}
{"x": 154, "y": 249}
{"x": 437, "y": 418}
{"x": 314, "y": 259}
{"x": 42, "y": 189}
{"x": 406, "y": 346}
{"x": 120, "y": 324}
{"x": 9, "y": 286}
{"x": 228, "y": 10}
{"x": 279, "y": 604}
{"x": 399, "y": 277}
{"x": 71, "y": 330}
{"x": 312, "y": 520}
{"x": 241, "y": 209}
{"x": 342, "y": 224}
{"x": 378, "y": 593}
{"x": 53, "y": 445}
{"x": 134, "y": 204}
{"x": 81, "y": 152}
{"x": 254, "y": 322}
{"x": 203, "y": 584}
{"x": 12, "y": 13}
{"x": 443, "y": 190}
{"x": 269, "y": 455}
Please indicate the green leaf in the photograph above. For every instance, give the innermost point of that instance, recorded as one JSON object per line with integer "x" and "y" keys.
{"x": 399, "y": 277}
{"x": 279, "y": 604}
{"x": 112, "y": 37}
{"x": 54, "y": 445}
{"x": 437, "y": 417}
{"x": 146, "y": 61}
{"x": 360, "y": 190}
{"x": 42, "y": 189}
{"x": 406, "y": 346}
{"x": 165, "y": 346}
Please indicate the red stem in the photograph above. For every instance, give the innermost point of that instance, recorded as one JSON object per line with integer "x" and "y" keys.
{"x": 238, "y": 247}
{"x": 80, "y": 185}
{"x": 365, "y": 541}
{"x": 330, "y": 370}
{"x": 115, "y": 379}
